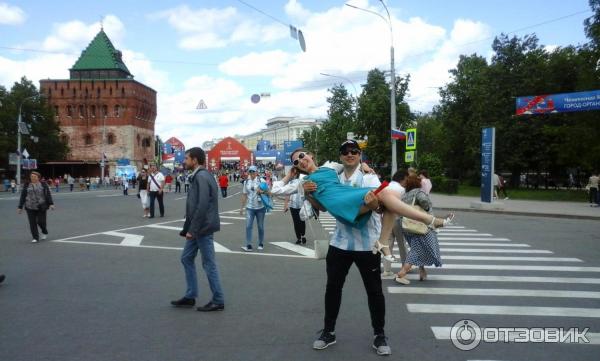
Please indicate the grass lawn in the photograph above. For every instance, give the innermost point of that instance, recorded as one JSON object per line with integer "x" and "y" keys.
{"x": 532, "y": 194}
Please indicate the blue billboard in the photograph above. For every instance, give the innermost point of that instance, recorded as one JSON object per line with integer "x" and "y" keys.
{"x": 288, "y": 147}
{"x": 559, "y": 103}
{"x": 488, "y": 149}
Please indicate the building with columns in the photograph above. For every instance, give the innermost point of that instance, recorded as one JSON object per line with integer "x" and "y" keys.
{"x": 101, "y": 109}
{"x": 279, "y": 130}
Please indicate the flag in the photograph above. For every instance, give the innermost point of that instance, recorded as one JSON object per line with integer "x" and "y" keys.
{"x": 398, "y": 134}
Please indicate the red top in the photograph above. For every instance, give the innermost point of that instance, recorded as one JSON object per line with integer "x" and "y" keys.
{"x": 223, "y": 181}
{"x": 168, "y": 179}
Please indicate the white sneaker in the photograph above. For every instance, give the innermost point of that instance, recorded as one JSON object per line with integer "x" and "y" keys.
{"x": 34, "y": 241}
{"x": 43, "y": 237}
{"x": 402, "y": 281}
{"x": 387, "y": 275}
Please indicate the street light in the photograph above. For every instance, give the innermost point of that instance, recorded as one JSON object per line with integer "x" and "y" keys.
{"x": 393, "y": 77}
{"x": 343, "y": 78}
{"x": 19, "y": 140}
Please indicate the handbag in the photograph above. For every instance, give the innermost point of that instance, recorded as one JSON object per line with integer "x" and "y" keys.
{"x": 321, "y": 248}
{"x": 307, "y": 212}
{"x": 412, "y": 226}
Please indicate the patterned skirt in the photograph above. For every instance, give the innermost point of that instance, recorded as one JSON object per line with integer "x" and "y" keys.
{"x": 424, "y": 249}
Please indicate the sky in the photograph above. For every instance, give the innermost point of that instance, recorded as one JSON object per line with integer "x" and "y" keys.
{"x": 223, "y": 52}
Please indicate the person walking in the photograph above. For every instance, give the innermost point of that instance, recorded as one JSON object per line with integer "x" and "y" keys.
{"x": 13, "y": 185}
{"x": 424, "y": 248}
{"x": 201, "y": 222}
{"x": 593, "y": 188}
{"x": 57, "y": 184}
{"x": 178, "y": 183}
{"x": 36, "y": 199}
{"x": 143, "y": 192}
{"x": 253, "y": 206}
{"x": 70, "y": 182}
{"x": 156, "y": 183}
{"x": 186, "y": 182}
{"x": 223, "y": 184}
{"x": 398, "y": 183}
{"x": 294, "y": 203}
{"x": 425, "y": 181}
{"x": 168, "y": 181}
{"x": 125, "y": 186}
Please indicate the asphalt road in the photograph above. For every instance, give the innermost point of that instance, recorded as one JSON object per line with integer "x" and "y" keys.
{"x": 99, "y": 289}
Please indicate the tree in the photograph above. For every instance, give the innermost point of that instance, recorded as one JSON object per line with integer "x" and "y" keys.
{"x": 38, "y": 115}
{"x": 325, "y": 141}
{"x": 373, "y": 116}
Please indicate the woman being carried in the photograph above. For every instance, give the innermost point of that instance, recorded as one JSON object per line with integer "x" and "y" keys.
{"x": 349, "y": 205}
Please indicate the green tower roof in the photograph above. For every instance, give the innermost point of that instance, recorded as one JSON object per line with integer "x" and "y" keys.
{"x": 100, "y": 55}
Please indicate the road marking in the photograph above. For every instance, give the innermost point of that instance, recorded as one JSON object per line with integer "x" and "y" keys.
{"x": 483, "y": 250}
{"x": 128, "y": 239}
{"x": 179, "y": 249}
{"x": 516, "y": 267}
{"x": 523, "y": 279}
{"x": 444, "y": 230}
{"x": 444, "y": 238}
{"x": 444, "y": 333}
{"x": 115, "y": 230}
{"x": 509, "y": 258}
{"x": 504, "y": 310}
{"x": 454, "y": 227}
{"x": 504, "y": 292}
{"x": 220, "y": 248}
{"x": 110, "y": 195}
{"x": 465, "y": 234}
{"x": 484, "y": 244}
{"x": 307, "y": 252}
{"x": 233, "y": 195}
{"x": 230, "y": 217}
{"x": 180, "y": 198}
{"x": 164, "y": 227}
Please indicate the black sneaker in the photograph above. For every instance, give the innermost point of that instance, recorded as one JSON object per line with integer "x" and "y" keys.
{"x": 298, "y": 241}
{"x": 184, "y": 302}
{"x": 209, "y": 307}
{"x": 247, "y": 248}
{"x": 325, "y": 340}
{"x": 380, "y": 344}
{"x": 2, "y": 278}
{"x": 303, "y": 240}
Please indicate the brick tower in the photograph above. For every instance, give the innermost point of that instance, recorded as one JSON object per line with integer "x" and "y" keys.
{"x": 101, "y": 109}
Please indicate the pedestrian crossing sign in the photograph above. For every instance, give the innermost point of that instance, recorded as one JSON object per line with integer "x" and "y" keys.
{"x": 409, "y": 156}
{"x": 411, "y": 139}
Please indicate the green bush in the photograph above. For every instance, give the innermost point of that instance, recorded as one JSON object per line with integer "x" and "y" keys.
{"x": 445, "y": 185}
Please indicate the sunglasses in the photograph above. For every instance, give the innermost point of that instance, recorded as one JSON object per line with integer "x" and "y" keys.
{"x": 300, "y": 156}
{"x": 351, "y": 151}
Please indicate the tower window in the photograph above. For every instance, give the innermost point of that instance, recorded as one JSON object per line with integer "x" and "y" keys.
{"x": 110, "y": 139}
{"x": 69, "y": 111}
{"x": 93, "y": 111}
{"x": 81, "y": 111}
{"x": 104, "y": 111}
{"x": 88, "y": 139}
{"x": 117, "y": 111}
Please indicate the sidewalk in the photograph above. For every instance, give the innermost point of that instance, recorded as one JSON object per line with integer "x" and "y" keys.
{"x": 519, "y": 207}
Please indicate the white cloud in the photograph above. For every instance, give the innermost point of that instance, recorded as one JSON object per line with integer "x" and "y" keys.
{"x": 267, "y": 63}
{"x": 75, "y": 35}
{"x": 11, "y": 15}
{"x": 296, "y": 11}
{"x": 206, "y": 28}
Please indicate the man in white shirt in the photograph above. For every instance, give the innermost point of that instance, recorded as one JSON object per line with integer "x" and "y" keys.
{"x": 349, "y": 246}
{"x": 156, "y": 184}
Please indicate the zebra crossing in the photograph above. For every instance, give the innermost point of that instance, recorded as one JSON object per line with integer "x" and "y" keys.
{"x": 492, "y": 292}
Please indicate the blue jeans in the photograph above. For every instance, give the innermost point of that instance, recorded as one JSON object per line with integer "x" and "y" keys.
{"x": 207, "y": 253}
{"x": 259, "y": 214}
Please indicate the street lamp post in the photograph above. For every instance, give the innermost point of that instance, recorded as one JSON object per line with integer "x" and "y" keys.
{"x": 393, "y": 79}
{"x": 19, "y": 141}
{"x": 343, "y": 78}
{"x": 102, "y": 148}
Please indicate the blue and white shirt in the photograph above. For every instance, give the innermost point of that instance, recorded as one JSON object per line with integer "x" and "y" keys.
{"x": 354, "y": 239}
{"x": 250, "y": 189}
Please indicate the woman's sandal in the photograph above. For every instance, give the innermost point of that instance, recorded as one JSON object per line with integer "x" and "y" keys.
{"x": 422, "y": 274}
{"x": 402, "y": 280}
{"x": 378, "y": 248}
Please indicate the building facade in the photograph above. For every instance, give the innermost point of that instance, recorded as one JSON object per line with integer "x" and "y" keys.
{"x": 101, "y": 109}
{"x": 278, "y": 131}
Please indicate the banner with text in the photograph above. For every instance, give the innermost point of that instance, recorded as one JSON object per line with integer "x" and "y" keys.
{"x": 559, "y": 103}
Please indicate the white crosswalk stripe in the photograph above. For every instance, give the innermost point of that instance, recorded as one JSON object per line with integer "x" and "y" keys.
{"x": 444, "y": 294}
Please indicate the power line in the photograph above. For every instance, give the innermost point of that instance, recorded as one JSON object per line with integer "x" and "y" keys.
{"x": 264, "y": 13}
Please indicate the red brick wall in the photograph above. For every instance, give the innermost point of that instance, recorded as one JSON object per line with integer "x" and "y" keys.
{"x": 89, "y": 99}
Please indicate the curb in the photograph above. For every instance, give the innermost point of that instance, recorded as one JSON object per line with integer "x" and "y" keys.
{"x": 527, "y": 214}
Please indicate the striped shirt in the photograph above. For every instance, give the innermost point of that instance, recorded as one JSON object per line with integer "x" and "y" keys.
{"x": 349, "y": 238}
{"x": 250, "y": 189}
